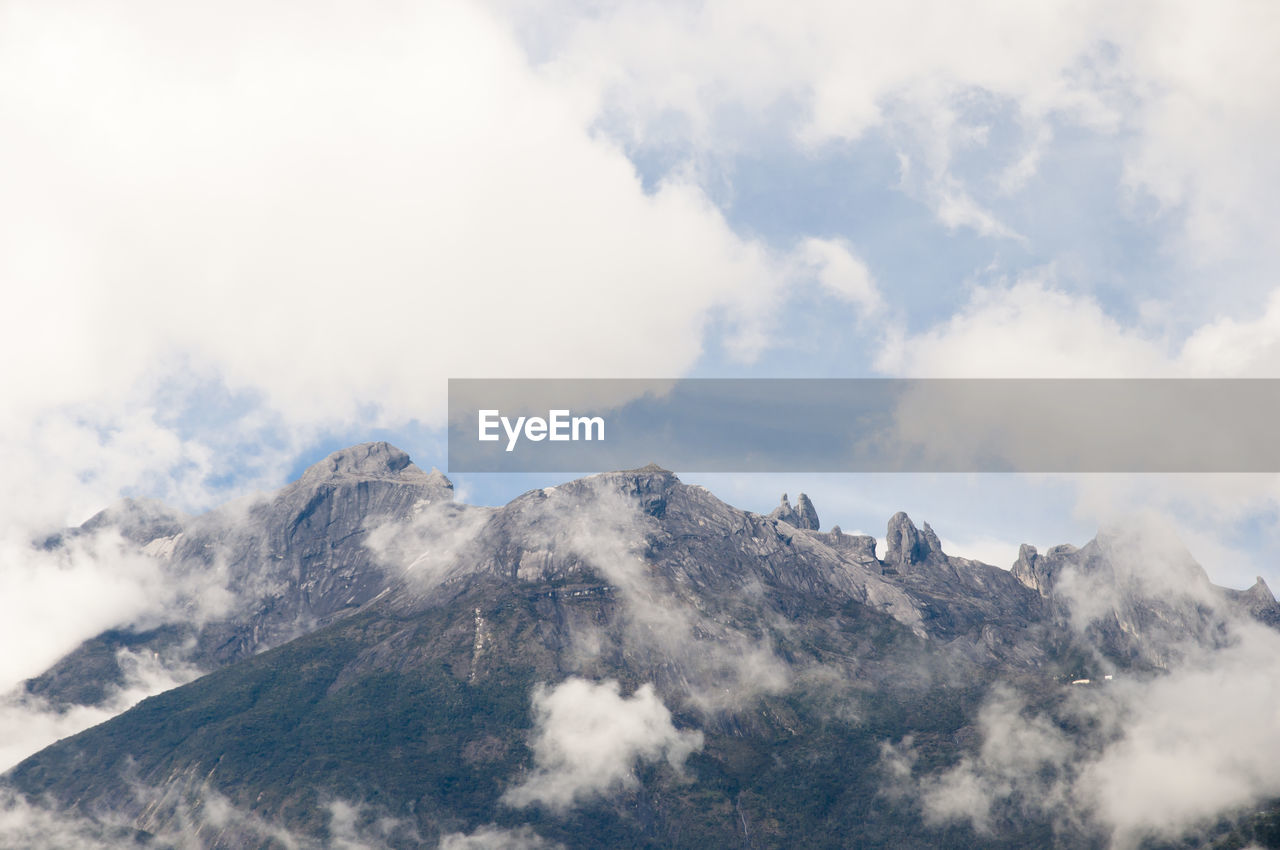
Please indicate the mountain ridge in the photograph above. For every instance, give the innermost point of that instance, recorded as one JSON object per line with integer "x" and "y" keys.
{"x": 794, "y": 653}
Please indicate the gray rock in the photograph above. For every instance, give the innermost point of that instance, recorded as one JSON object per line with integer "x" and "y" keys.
{"x": 803, "y": 515}
{"x": 904, "y": 545}
{"x": 860, "y": 546}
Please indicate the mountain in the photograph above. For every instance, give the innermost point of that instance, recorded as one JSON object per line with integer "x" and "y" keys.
{"x": 274, "y": 568}
{"x": 623, "y": 660}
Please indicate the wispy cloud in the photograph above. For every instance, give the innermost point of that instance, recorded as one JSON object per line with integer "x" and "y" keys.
{"x": 594, "y": 524}
{"x": 192, "y": 819}
{"x": 1135, "y": 756}
{"x": 28, "y": 723}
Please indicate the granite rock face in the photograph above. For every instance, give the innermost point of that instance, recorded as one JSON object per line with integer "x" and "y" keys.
{"x": 803, "y": 515}
{"x": 904, "y": 545}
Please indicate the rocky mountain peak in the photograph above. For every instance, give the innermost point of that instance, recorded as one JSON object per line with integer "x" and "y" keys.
{"x": 378, "y": 460}
{"x": 931, "y": 540}
{"x": 1261, "y": 591}
{"x": 650, "y": 485}
{"x": 803, "y": 515}
{"x": 1025, "y": 568}
{"x": 905, "y": 545}
{"x": 650, "y": 478}
{"x": 1259, "y": 601}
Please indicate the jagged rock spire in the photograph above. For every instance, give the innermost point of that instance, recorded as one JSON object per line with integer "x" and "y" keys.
{"x": 1261, "y": 592}
{"x": 905, "y": 544}
{"x": 1026, "y": 569}
{"x": 374, "y": 460}
{"x": 803, "y": 515}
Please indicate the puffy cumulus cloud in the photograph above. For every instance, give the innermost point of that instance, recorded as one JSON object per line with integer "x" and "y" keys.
{"x": 841, "y": 62}
{"x": 331, "y": 208}
{"x": 1029, "y": 329}
{"x": 1034, "y": 327}
{"x": 244, "y": 228}
{"x": 53, "y": 599}
{"x": 588, "y": 738}
{"x": 1236, "y": 348}
{"x": 1194, "y": 745}
{"x": 497, "y": 838}
{"x": 1019, "y": 754}
{"x": 224, "y": 233}
{"x": 1169, "y": 756}
{"x": 23, "y": 824}
{"x": 1147, "y": 561}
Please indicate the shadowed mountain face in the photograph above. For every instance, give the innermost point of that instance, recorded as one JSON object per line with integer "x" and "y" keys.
{"x": 623, "y": 660}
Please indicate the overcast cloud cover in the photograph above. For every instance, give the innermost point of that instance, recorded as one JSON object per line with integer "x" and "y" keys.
{"x": 233, "y": 234}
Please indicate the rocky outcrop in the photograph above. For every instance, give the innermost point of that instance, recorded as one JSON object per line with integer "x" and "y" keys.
{"x": 1258, "y": 601}
{"x": 860, "y": 546}
{"x": 905, "y": 546}
{"x": 803, "y": 515}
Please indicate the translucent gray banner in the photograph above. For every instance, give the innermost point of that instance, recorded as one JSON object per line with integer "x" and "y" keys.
{"x": 865, "y": 425}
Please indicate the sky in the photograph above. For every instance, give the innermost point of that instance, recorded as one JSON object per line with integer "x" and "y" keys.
{"x": 236, "y": 237}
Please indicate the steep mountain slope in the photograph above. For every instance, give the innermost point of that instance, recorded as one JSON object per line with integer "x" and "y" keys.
{"x": 261, "y": 572}
{"x": 623, "y": 660}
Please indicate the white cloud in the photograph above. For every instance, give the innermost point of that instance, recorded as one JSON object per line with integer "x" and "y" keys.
{"x": 1194, "y": 744}
{"x": 1180, "y": 91}
{"x": 1168, "y": 756}
{"x": 23, "y": 824}
{"x": 1035, "y": 329}
{"x": 29, "y": 724}
{"x": 331, "y": 208}
{"x": 1018, "y": 753}
{"x": 50, "y": 601}
{"x": 497, "y": 838}
{"x": 433, "y": 542}
{"x": 1238, "y": 348}
{"x": 838, "y": 269}
{"x": 588, "y": 738}
{"x": 185, "y": 817}
{"x": 1030, "y": 329}
{"x": 317, "y": 216}
{"x": 322, "y": 215}
{"x": 1137, "y": 756}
